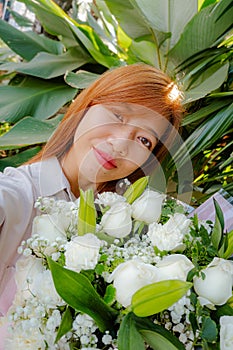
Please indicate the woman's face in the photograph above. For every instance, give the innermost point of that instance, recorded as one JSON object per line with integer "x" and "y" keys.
{"x": 111, "y": 142}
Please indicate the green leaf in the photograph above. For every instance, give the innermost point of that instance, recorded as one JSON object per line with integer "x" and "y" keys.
{"x": 204, "y": 3}
{"x": 129, "y": 337}
{"x": 95, "y": 47}
{"x": 87, "y": 213}
{"x": 19, "y": 158}
{"x": 137, "y": 17}
{"x": 217, "y": 232}
{"x": 229, "y": 251}
{"x": 81, "y": 79}
{"x": 21, "y": 20}
{"x": 110, "y": 294}
{"x": 208, "y": 80}
{"x": 212, "y": 107}
{"x": 46, "y": 65}
{"x": 34, "y": 97}
{"x": 25, "y": 133}
{"x": 66, "y": 324}
{"x": 157, "y": 15}
{"x": 209, "y": 330}
{"x": 27, "y": 44}
{"x": 54, "y": 20}
{"x": 205, "y": 135}
{"x": 136, "y": 189}
{"x": 193, "y": 320}
{"x": 158, "y": 296}
{"x": 77, "y": 291}
{"x": 144, "y": 51}
{"x": 157, "y": 336}
{"x": 130, "y": 20}
{"x": 207, "y": 25}
{"x": 71, "y": 33}
{"x": 157, "y": 341}
{"x": 152, "y": 20}
{"x": 224, "y": 310}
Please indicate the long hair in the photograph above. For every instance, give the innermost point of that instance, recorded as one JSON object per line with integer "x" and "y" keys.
{"x": 138, "y": 84}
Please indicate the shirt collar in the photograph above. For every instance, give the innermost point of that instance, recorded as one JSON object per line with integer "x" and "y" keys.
{"x": 51, "y": 178}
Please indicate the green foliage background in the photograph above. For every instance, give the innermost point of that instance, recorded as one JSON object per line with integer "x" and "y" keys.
{"x": 43, "y": 70}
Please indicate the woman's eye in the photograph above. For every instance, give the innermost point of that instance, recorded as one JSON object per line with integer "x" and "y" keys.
{"x": 119, "y": 117}
{"x": 147, "y": 143}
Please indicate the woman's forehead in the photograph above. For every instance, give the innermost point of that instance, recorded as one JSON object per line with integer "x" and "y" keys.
{"x": 137, "y": 115}
{"x": 130, "y": 108}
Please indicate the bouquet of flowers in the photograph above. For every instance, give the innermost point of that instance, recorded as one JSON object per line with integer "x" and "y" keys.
{"x": 126, "y": 272}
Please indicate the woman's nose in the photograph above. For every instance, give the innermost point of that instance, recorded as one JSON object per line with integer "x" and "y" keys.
{"x": 120, "y": 139}
{"x": 119, "y": 146}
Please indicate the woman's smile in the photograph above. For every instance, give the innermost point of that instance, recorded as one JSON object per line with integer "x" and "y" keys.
{"x": 105, "y": 159}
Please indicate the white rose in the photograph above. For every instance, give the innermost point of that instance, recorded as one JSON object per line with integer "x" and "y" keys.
{"x": 26, "y": 270}
{"x": 117, "y": 221}
{"x": 179, "y": 221}
{"x": 226, "y": 332}
{"x": 43, "y": 288}
{"x": 148, "y": 206}
{"x": 130, "y": 276}
{"x": 216, "y": 288}
{"x": 170, "y": 235}
{"x": 109, "y": 198}
{"x": 49, "y": 226}
{"x": 82, "y": 252}
{"x": 175, "y": 266}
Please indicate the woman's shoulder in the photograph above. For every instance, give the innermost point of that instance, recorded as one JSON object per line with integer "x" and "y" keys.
{"x": 30, "y": 172}
{"x": 15, "y": 183}
{"x": 43, "y": 178}
{"x": 22, "y": 174}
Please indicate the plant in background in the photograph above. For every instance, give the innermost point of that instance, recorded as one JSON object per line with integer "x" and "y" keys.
{"x": 193, "y": 45}
{"x": 86, "y": 289}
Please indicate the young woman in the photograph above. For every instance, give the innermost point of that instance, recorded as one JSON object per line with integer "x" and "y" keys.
{"x": 120, "y": 126}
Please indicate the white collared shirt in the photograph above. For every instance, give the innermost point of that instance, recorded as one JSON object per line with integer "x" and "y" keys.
{"x": 19, "y": 189}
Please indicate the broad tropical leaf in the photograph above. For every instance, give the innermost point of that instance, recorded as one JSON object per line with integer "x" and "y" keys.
{"x": 19, "y": 158}
{"x": 81, "y": 79}
{"x": 138, "y": 17}
{"x": 212, "y": 106}
{"x": 203, "y": 30}
{"x": 205, "y": 135}
{"x": 72, "y": 34}
{"x": 54, "y": 20}
{"x": 209, "y": 80}
{"x": 168, "y": 16}
{"x": 34, "y": 97}
{"x": 27, "y": 44}
{"x": 46, "y": 65}
{"x": 151, "y": 21}
{"x": 21, "y": 20}
{"x": 28, "y": 131}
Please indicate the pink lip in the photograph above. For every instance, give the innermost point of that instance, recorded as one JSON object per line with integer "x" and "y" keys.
{"x": 105, "y": 159}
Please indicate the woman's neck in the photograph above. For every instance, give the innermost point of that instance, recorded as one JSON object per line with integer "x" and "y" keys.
{"x": 76, "y": 179}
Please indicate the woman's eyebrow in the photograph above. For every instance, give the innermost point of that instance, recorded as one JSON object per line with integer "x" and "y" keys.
{"x": 153, "y": 132}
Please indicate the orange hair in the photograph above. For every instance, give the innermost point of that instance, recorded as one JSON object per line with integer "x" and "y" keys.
{"x": 139, "y": 84}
